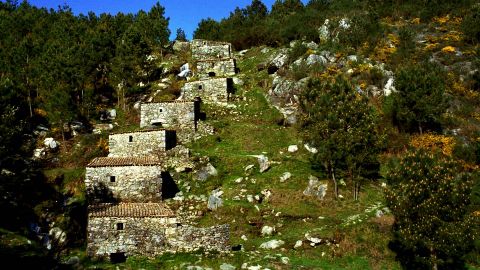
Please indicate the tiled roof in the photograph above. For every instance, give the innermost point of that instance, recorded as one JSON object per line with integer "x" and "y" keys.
{"x": 137, "y": 210}
{"x": 124, "y": 161}
{"x": 142, "y": 131}
{"x": 170, "y": 101}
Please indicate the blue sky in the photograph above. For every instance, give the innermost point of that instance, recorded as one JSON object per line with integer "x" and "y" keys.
{"x": 184, "y": 14}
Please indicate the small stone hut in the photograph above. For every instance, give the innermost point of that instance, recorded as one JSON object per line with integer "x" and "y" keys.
{"x": 207, "y": 50}
{"x": 216, "y": 67}
{"x": 125, "y": 229}
{"x": 212, "y": 90}
{"x": 129, "y": 179}
{"x": 141, "y": 143}
{"x": 170, "y": 114}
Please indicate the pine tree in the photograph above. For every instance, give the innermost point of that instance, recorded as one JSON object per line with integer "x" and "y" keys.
{"x": 181, "y": 35}
{"x": 342, "y": 125}
{"x": 420, "y": 99}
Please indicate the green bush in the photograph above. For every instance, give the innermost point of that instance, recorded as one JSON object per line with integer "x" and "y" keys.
{"x": 471, "y": 26}
{"x": 298, "y": 50}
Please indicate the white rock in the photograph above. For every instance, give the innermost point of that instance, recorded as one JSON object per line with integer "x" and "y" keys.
{"x": 344, "y": 23}
{"x": 244, "y": 237}
{"x": 292, "y": 148}
{"x": 267, "y": 230}
{"x": 257, "y": 267}
{"x": 265, "y": 50}
{"x": 262, "y": 162}
{"x": 352, "y": 58}
{"x": 285, "y": 260}
{"x": 226, "y": 266}
{"x": 250, "y": 198}
{"x": 298, "y": 244}
{"x": 272, "y": 244}
{"x": 249, "y": 167}
{"x": 389, "y": 87}
{"x": 50, "y": 143}
{"x": 310, "y": 149}
{"x": 285, "y": 176}
{"x": 315, "y": 188}
{"x": 266, "y": 194}
{"x": 239, "y": 180}
{"x": 237, "y": 81}
{"x": 314, "y": 240}
{"x": 316, "y": 59}
{"x": 311, "y": 45}
{"x": 39, "y": 153}
{"x": 57, "y": 234}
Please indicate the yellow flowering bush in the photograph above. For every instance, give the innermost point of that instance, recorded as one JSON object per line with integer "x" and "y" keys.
{"x": 433, "y": 142}
{"x": 449, "y": 49}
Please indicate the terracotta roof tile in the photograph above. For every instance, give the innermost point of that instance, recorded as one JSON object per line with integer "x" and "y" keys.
{"x": 124, "y": 161}
{"x": 169, "y": 101}
{"x": 138, "y": 210}
{"x": 142, "y": 131}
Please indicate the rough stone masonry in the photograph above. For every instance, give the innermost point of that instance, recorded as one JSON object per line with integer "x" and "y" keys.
{"x": 212, "y": 90}
{"x": 124, "y": 179}
{"x": 173, "y": 114}
{"x": 141, "y": 143}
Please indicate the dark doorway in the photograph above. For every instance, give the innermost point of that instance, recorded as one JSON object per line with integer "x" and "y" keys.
{"x": 169, "y": 187}
{"x": 118, "y": 257}
{"x": 211, "y": 74}
{"x": 170, "y": 139}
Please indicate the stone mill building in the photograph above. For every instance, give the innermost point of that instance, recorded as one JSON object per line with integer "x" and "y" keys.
{"x": 127, "y": 214}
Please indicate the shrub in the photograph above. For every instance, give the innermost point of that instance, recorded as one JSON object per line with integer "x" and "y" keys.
{"x": 429, "y": 196}
{"x": 298, "y": 50}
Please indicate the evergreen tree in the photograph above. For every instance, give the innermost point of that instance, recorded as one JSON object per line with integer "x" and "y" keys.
{"x": 342, "y": 125}
{"x": 429, "y": 197}
{"x": 207, "y": 29}
{"x": 420, "y": 99}
{"x": 181, "y": 35}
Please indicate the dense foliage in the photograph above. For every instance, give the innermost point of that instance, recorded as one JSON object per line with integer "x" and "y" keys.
{"x": 420, "y": 99}
{"x": 429, "y": 197}
{"x": 56, "y": 67}
{"x": 292, "y": 20}
{"x": 63, "y": 65}
{"x": 340, "y": 122}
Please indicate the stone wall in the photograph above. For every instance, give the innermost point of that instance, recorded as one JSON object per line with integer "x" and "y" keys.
{"x": 177, "y": 114}
{"x": 140, "y": 236}
{"x": 216, "y": 68}
{"x": 151, "y": 236}
{"x": 208, "y": 50}
{"x": 212, "y": 90}
{"x": 137, "y": 144}
{"x": 125, "y": 183}
{"x": 188, "y": 238}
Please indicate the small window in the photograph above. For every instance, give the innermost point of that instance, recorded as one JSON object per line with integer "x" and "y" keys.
{"x": 130, "y": 138}
{"x": 200, "y": 87}
{"x": 119, "y": 226}
{"x": 112, "y": 179}
{"x": 161, "y": 110}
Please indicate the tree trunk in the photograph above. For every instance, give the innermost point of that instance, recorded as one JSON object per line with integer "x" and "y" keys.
{"x": 63, "y": 131}
{"x": 331, "y": 174}
{"x": 420, "y": 128}
{"x": 434, "y": 259}
{"x": 335, "y": 183}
